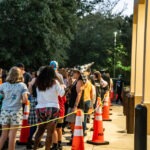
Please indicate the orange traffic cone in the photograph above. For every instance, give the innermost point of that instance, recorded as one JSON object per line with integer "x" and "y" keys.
{"x": 98, "y": 135}
{"x": 98, "y": 103}
{"x": 105, "y": 113}
{"x": 24, "y": 135}
{"x": 78, "y": 140}
{"x": 112, "y": 95}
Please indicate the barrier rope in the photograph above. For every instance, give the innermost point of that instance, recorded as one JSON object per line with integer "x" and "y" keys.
{"x": 22, "y": 127}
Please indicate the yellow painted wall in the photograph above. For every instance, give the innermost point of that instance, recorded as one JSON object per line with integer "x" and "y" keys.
{"x": 133, "y": 59}
{"x": 146, "y": 85}
{"x": 140, "y": 50}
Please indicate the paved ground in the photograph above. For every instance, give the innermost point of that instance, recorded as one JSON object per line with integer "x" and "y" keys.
{"x": 115, "y": 133}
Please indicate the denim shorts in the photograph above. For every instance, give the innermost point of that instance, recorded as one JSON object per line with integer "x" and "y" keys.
{"x": 47, "y": 113}
{"x": 9, "y": 117}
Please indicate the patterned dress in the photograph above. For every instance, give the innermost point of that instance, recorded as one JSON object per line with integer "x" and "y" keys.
{"x": 32, "y": 115}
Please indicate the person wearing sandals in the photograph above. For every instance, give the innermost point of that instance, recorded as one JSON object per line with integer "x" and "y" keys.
{"x": 48, "y": 89}
{"x": 76, "y": 97}
{"x": 15, "y": 93}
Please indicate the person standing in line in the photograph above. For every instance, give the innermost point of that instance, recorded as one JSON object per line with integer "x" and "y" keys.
{"x": 54, "y": 65}
{"x": 93, "y": 91}
{"x": 97, "y": 79}
{"x": 57, "y": 136}
{"x": 88, "y": 97}
{"x": 76, "y": 97}
{"x": 104, "y": 87}
{"x": 62, "y": 102}
{"x": 48, "y": 90}
{"x": 119, "y": 86}
{"x": 106, "y": 77}
{"x": 68, "y": 92}
{"x": 64, "y": 74}
{"x": 15, "y": 93}
{"x": 32, "y": 120}
{"x": 111, "y": 88}
{"x": 27, "y": 76}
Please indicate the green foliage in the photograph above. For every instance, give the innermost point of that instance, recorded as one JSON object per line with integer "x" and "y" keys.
{"x": 35, "y": 31}
{"x": 123, "y": 68}
{"x": 121, "y": 56}
{"x": 94, "y": 41}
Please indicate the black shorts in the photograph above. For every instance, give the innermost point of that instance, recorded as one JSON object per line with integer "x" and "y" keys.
{"x": 59, "y": 125}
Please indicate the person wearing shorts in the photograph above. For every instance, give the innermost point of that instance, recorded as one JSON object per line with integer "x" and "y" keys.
{"x": 57, "y": 137}
{"x": 15, "y": 93}
{"x": 47, "y": 110}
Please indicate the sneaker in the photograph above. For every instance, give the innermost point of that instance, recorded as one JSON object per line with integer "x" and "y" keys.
{"x": 87, "y": 128}
{"x": 41, "y": 144}
{"x": 60, "y": 147}
{"x": 29, "y": 146}
{"x": 88, "y": 120}
{"x": 69, "y": 143}
{"x": 54, "y": 147}
{"x": 85, "y": 134}
{"x": 32, "y": 142}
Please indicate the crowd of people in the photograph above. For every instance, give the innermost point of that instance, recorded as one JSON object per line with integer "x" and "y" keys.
{"x": 52, "y": 93}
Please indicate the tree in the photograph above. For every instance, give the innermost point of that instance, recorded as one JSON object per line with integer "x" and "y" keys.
{"x": 34, "y": 31}
{"x": 94, "y": 41}
{"x": 124, "y": 66}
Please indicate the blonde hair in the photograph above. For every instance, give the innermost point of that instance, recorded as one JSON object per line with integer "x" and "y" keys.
{"x": 15, "y": 75}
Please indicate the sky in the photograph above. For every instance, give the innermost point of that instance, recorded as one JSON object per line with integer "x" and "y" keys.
{"x": 129, "y": 9}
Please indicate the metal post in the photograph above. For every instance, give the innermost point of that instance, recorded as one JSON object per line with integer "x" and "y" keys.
{"x": 115, "y": 41}
{"x": 140, "y": 135}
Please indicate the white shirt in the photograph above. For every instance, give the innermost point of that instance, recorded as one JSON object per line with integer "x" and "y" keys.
{"x": 49, "y": 98}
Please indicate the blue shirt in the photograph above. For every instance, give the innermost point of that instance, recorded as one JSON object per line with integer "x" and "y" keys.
{"x": 13, "y": 95}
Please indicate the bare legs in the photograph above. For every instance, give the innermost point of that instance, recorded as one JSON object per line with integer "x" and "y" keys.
{"x": 50, "y": 129}
{"x": 12, "y": 137}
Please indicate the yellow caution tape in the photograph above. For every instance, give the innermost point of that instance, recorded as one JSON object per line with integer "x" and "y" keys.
{"x": 22, "y": 127}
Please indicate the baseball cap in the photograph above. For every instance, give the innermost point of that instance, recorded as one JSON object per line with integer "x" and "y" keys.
{"x": 54, "y": 64}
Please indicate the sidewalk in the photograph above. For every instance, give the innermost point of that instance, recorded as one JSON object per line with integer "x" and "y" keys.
{"x": 114, "y": 133}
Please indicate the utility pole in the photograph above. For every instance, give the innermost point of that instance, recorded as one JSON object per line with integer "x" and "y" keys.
{"x": 115, "y": 41}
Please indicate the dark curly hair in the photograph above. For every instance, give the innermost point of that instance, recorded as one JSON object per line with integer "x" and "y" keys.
{"x": 46, "y": 78}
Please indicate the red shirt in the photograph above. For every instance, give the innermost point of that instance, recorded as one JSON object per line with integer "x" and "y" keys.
{"x": 62, "y": 101}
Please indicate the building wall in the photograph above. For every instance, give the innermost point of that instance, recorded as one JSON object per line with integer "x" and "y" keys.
{"x": 140, "y": 63}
